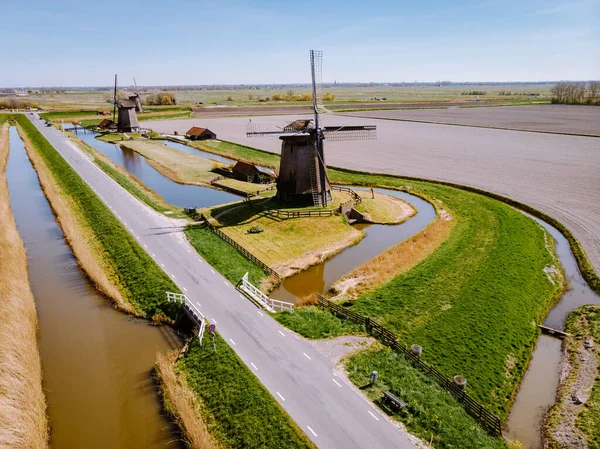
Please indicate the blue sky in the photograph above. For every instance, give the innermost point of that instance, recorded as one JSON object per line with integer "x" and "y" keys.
{"x": 83, "y": 43}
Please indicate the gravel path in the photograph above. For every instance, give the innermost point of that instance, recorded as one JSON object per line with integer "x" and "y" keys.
{"x": 557, "y": 174}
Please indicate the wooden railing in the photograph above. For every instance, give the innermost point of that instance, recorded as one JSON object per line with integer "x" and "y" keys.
{"x": 267, "y": 269}
{"x": 300, "y": 213}
{"x": 486, "y": 419}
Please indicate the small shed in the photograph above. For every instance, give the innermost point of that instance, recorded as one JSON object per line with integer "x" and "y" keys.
{"x": 250, "y": 173}
{"x": 196, "y": 133}
{"x": 105, "y": 124}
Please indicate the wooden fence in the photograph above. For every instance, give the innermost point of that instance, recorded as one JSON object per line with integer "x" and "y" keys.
{"x": 300, "y": 213}
{"x": 267, "y": 269}
{"x": 486, "y": 419}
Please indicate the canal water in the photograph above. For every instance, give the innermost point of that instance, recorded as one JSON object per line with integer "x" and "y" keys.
{"x": 538, "y": 387}
{"x": 180, "y": 195}
{"x": 319, "y": 278}
{"x": 96, "y": 361}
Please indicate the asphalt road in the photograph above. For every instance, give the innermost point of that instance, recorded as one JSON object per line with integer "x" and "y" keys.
{"x": 557, "y": 174}
{"x": 332, "y": 412}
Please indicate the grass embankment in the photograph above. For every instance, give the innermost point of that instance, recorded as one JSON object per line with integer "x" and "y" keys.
{"x": 472, "y": 303}
{"x": 239, "y": 411}
{"x": 23, "y": 421}
{"x": 571, "y": 424}
{"x": 383, "y": 209}
{"x": 129, "y": 182}
{"x": 175, "y": 164}
{"x": 222, "y": 256}
{"x": 112, "y": 258}
{"x": 286, "y": 245}
{"x": 239, "y": 152}
{"x": 431, "y": 413}
{"x": 229, "y": 419}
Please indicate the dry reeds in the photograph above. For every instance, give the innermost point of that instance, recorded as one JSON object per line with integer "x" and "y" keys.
{"x": 395, "y": 260}
{"x": 182, "y": 404}
{"x": 23, "y": 421}
{"x": 86, "y": 248}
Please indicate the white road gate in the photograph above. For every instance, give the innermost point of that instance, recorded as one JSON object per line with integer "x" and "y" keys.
{"x": 268, "y": 303}
{"x": 191, "y": 309}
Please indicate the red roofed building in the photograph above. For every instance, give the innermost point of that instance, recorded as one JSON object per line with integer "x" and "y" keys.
{"x": 196, "y": 133}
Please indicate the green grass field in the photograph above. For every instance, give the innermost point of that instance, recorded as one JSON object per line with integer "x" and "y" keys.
{"x": 430, "y": 413}
{"x": 474, "y": 302}
{"x": 239, "y": 152}
{"x": 141, "y": 280}
{"x": 239, "y": 411}
{"x": 129, "y": 182}
{"x": 222, "y": 256}
{"x": 408, "y": 92}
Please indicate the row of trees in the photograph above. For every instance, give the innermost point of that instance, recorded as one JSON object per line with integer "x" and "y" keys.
{"x": 580, "y": 92}
{"x": 160, "y": 99}
{"x": 290, "y": 96}
{"x": 16, "y": 103}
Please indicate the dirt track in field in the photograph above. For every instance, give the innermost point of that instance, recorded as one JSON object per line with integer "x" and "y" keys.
{"x": 547, "y": 118}
{"x": 557, "y": 174}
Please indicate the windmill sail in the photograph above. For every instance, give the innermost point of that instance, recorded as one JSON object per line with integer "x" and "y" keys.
{"x": 303, "y": 171}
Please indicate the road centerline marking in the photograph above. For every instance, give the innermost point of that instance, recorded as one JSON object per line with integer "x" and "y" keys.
{"x": 373, "y": 415}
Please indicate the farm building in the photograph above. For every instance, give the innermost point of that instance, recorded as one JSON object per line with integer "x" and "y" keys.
{"x": 196, "y": 133}
{"x": 105, "y": 124}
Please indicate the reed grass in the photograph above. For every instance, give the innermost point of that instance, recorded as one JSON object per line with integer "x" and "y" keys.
{"x": 23, "y": 420}
{"x": 182, "y": 404}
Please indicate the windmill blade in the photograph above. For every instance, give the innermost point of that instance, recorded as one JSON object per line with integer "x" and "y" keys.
{"x": 337, "y": 133}
{"x": 115, "y": 98}
{"x": 257, "y": 129}
{"x": 316, "y": 66}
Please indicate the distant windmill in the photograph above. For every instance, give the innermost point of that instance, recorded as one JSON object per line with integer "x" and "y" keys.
{"x": 302, "y": 169}
{"x": 127, "y": 120}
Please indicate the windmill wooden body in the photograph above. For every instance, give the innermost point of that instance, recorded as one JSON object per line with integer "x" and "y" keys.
{"x": 127, "y": 120}
{"x": 302, "y": 170}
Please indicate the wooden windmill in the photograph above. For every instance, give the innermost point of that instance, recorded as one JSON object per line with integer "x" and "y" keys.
{"x": 127, "y": 119}
{"x": 302, "y": 170}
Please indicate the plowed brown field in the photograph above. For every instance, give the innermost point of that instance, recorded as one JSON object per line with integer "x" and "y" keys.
{"x": 557, "y": 174}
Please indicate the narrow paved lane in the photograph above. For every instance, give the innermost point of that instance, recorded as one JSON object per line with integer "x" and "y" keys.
{"x": 302, "y": 380}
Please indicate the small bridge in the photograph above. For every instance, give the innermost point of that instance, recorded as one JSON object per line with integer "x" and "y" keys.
{"x": 192, "y": 311}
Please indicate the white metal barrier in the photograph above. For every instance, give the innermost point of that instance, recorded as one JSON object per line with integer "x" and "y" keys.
{"x": 268, "y": 303}
{"x": 191, "y": 309}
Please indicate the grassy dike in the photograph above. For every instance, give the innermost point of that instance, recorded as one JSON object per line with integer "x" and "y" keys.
{"x": 471, "y": 304}
{"x": 143, "y": 284}
{"x": 23, "y": 420}
{"x": 128, "y": 181}
{"x": 139, "y": 280}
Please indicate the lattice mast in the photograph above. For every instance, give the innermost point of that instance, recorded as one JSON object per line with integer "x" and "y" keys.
{"x": 316, "y": 68}
{"x": 299, "y": 170}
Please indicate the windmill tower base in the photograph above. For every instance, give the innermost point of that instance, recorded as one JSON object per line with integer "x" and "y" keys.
{"x": 299, "y": 179}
